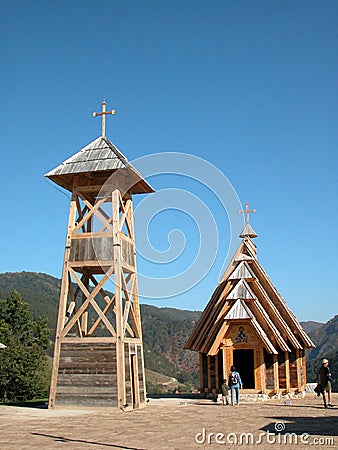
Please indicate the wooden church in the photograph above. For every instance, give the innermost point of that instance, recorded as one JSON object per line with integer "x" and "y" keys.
{"x": 98, "y": 356}
{"x": 248, "y": 324}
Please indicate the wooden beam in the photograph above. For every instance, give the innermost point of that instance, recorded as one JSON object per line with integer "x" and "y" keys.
{"x": 85, "y": 304}
{"x": 287, "y": 371}
{"x": 63, "y": 297}
{"x": 209, "y": 374}
{"x": 218, "y": 384}
{"x": 281, "y": 305}
{"x": 262, "y": 371}
{"x": 299, "y": 367}
{"x": 99, "y": 319}
{"x": 135, "y": 382}
{"x": 120, "y": 357}
{"x": 201, "y": 372}
{"x": 275, "y": 374}
{"x": 304, "y": 369}
{"x": 89, "y": 340}
{"x": 225, "y": 368}
{"x": 257, "y": 370}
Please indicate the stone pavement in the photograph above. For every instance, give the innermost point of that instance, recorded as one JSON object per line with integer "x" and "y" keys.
{"x": 174, "y": 424}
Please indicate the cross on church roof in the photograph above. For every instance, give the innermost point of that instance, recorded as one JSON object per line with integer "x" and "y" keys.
{"x": 247, "y": 211}
{"x": 248, "y": 230}
{"x": 103, "y": 114}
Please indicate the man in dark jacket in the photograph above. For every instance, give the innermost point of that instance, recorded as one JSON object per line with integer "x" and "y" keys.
{"x": 324, "y": 379}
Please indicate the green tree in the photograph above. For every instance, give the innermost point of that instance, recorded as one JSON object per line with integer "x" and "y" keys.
{"x": 24, "y": 368}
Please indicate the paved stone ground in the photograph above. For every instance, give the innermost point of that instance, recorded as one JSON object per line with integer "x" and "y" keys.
{"x": 171, "y": 424}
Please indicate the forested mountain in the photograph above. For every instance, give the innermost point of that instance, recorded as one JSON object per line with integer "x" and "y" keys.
{"x": 326, "y": 340}
{"x": 310, "y": 325}
{"x": 41, "y": 291}
{"x": 165, "y": 330}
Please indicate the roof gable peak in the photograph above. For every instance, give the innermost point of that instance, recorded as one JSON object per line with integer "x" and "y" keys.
{"x": 241, "y": 290}
{"x": 239, "y": 310}
{"x": 243, "y": 270}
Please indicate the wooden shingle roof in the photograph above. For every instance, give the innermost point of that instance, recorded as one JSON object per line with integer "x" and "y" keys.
{"x": 245, "y": 292}
{"x": 100, "y": 158}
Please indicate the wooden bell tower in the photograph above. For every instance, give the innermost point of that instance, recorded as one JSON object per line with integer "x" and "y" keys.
{"x": 98, "y": 356}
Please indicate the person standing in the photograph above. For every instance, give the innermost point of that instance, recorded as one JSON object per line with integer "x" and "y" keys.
{"x": 224, "y": 392}
{"x": 324, "y": 379}
{"x": 235, "y": 384}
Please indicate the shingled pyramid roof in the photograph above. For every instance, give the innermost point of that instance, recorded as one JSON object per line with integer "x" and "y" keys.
{"x": 248, "y": 231}
{"x": 245, "y": 292}
{"x": 100, "y": 156}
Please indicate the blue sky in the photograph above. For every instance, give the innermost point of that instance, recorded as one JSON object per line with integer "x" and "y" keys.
{"x": 248, "y": 86}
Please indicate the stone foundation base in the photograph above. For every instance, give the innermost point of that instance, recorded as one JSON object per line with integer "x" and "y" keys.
{"x": 257, "y": 398}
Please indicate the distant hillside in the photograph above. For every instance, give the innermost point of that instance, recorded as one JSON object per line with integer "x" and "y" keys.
{"x": 41, "y": 291}
{"x": 310, "y": 325}
{"x": 165, "y": 330}
{"x": 325, "y": 338}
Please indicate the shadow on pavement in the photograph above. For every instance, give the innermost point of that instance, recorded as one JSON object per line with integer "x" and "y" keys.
{"x": 82, "y": 441}
{"x": 324, "y": 426}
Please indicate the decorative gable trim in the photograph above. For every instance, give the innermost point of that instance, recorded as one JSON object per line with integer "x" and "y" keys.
{"x": 241, "y": 290}
{"x": 239, "y": 310}
{"x": 242, "y": 271}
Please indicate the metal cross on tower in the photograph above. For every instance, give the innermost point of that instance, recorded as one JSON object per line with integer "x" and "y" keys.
{"x": 103, "y": 114}
{"x": 247, "y": 211}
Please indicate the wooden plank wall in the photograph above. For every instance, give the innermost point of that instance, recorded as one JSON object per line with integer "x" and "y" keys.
{"x": 204, "y": 381}
{"x": 142, "y": 387}
{"x": 130, "y": 350}
{"x": 281, "y": 370}
{"x": 212, "y": 372}
{"x": 127, "y": 370}
{"x": 293, "y": 369}
{"x": 87, "y": 375}
{"x": 100, "y": 248}
{"x": 91, "y": 249}
{"x": 269, "y": 379}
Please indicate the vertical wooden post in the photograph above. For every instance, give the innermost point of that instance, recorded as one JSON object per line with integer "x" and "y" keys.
{"x": 136, "y": 304}
{"x": 63, "y": 297}
{"x": 135, "y": 381}
{"x": 299, "y": 376}
{"x": 201, "y": 372}
{"x": 304, "y": 370}
{"x": 275, "y": 374}
{"x": 287, "y": 371}
{"x": 229, "y": 360}
{"x": 257, "y": 370}
{"x": 262, "y": 370}
{"x": 120, "y": 360}
{"x": 225, "y": 370}
{"x": 216, "y": 374}
{"x": 209, "y": 373}
{"x": 84, "y": 319}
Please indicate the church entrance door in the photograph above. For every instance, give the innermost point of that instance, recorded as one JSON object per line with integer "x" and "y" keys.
{"x": 243, "y": 360}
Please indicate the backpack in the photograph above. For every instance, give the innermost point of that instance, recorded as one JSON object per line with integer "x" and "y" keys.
{"x": 233, "y": 378}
